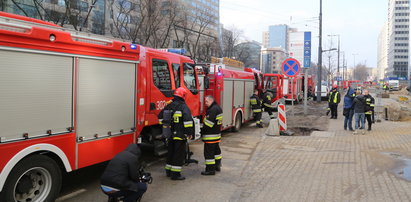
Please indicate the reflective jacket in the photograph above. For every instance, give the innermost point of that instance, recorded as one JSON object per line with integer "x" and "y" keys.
{"x": 255, "y": 103}
{"x": 369, "y": 104}
{"x": 334, "y": 98}
{"x": 182, "y": 123}
{"x": 267, "y": 100}
{"x": 212, "y": 124}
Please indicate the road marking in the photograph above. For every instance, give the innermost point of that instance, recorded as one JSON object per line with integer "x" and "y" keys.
{"x": 71, "y": 195}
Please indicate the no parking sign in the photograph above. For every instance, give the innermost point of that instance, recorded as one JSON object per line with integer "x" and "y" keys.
{"x": 291, "y": 67}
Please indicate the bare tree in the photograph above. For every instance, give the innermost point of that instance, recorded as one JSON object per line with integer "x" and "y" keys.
{"x": 230, "y": 38}
{"x": 360, "y": 72}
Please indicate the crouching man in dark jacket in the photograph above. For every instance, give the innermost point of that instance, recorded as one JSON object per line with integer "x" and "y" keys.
{"x": 121, "y": 177}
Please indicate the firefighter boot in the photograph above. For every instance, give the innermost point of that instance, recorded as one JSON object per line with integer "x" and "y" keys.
{"x": 210, "y": 170}
{"x": 177, "y": 176}
{"x": 218, "y": 165}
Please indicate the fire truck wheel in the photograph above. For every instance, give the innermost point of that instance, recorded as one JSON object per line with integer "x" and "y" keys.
{"x": 237, "y": 123}
{"x": 35, "y": 178}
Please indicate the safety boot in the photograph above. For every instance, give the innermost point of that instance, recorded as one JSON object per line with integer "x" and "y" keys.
{"x": 210, "y": 170}
{"x": 177, "y": 176}
{"x": 218, "y": 165}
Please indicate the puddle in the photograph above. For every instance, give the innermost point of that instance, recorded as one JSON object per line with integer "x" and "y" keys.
{"x": 404, "y": 170}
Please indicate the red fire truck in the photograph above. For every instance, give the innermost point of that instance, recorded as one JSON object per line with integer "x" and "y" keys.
{"x": 293, "y": 88}
{"x": 71, "y": 100}
{"x": 275, "y": 84}
{"x": 232, "y": 90}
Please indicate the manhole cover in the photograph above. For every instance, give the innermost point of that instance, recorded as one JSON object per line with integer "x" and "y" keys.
{"x": 322, "y": 134}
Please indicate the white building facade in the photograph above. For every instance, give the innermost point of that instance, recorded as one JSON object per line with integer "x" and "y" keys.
{"x": 382, "y": 52}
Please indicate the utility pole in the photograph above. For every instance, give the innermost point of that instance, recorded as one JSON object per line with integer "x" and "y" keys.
{"x": 353, "y": 70}
{"x": 320, "y": 54}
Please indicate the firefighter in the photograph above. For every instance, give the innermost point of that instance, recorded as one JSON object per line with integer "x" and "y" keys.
{"x": 385, "y": 87}
{"x": 256, "y": 106}
{"x": 369, "y": 108}
{"x": 177, "y": 120}
{"x": 211, "y": 136}
{"x": 267, "y": 103}
{"x": 333, "y": 101}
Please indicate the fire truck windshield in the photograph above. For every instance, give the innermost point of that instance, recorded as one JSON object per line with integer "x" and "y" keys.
{"x": 190, "y": 80}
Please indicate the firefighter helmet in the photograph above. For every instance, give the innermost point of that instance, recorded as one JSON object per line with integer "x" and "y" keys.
{"x": 335, "y": 86}
{"x": 181, "y": 92}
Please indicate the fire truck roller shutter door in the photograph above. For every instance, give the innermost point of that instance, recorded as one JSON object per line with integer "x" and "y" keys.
{"x": 228, "y": 103}
{"x": 36, "y": 94}
{"x": 239, "y": 93}
{"x": 106, "y": 97}
{"x": 249, "y": 88}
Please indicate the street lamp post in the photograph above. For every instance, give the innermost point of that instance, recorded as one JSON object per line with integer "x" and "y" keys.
{"x": 338, "y": 58}
{"x": 353, "y": 70}
{"x": 320, "y": 54}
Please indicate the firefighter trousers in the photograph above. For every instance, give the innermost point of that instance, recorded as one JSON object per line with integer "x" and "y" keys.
{"x": 212, "y": 155}
{"x": 177, "y": 151}
{"x": 334, "y": 111}
{"x": 368, "y": 117}
{"x": 270, "y": 112}
{"x": 257, "y": 117}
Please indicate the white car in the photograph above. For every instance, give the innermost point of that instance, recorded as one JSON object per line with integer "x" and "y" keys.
{"x": 324, "y": 91}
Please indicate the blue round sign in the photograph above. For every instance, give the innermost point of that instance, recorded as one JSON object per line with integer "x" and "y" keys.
{"x": 291, "y": 67}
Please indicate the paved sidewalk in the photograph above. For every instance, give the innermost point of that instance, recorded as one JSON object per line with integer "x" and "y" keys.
{"x": 336, "y": 167}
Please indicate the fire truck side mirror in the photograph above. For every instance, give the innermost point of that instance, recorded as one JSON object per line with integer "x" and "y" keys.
{"x": 206, "y": 82}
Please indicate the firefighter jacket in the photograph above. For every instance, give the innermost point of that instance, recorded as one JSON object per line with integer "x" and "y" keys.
{"x": 369, "y": 104}
{"x": 212, "y": 124}
{"x": 255, "y": 103}
{"x": 334, "y": 98}
{"x": 267, "y": 100}
{"x": 182, "y": 123}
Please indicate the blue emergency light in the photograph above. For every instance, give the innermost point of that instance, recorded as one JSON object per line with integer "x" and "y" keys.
{"x": 133, "y": 46}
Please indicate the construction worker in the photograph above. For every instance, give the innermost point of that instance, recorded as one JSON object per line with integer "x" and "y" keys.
{"x": 369, "y": 108}
{"x": 333, "y": 101}
{"x": 176, "y": 118}
{"x": 256, "y": 107}
{"x": 211, "y": 136}
{"x": 267, "y": 103}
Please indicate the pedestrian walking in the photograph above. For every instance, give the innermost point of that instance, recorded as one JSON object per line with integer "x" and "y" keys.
{"x": 121, "y": 178}
{"x": 369, "y": 108}
{"x": 333, "y": 101}
{"x": 211, "y": 136}
{"x": 359, "y": 110}
{"x": 177, "y": 120}
{"x": 256, "y": 107}
{"x": 348, "y": 111}
{"x": 267, "y": 103}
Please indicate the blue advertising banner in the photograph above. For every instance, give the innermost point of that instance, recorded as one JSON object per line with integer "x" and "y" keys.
{"x": 307, "y": 49}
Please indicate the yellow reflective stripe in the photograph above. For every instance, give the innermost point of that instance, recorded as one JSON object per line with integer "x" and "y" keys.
{"x": 372, "y": 105}
{"x": 267, "y": 105}
{"x": 208, "y": 123}
{"x": 218, "y": 157}
{"x": 168, "y": 167}
{"x": 256, "y": 110}
{"x": 188, "y": 124}
{"x": 219, "y": 117}
{"x": 268, "y": 97}
{"x": 160, "y": 121}
{"x": 176, "y": 168}
{"x": 253, "y": 101}
{"x": 211, "y": 137}
{"x": 209, "y": 161}
{"x": 177, "y": 138}
{"x": 335, "y": 97}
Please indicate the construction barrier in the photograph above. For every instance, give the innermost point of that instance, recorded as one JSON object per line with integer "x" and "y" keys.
{"x": 282, "y": 120}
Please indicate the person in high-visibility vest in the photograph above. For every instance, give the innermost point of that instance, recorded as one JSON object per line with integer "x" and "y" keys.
{"x": 333, "y": 101}
{"x": 369, "y": 108}
{"x": 211, "y": 136}
{"x": 256, "y": 107}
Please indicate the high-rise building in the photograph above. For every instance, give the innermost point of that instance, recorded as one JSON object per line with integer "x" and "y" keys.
{"x": 382, "y": 63}
{"x": 398, "y": 38}
{"x": 296, "y": 46}
{"x": 272, "y": 59}
{"x": 266, "y": 39}
{"x": 278, "y": 36}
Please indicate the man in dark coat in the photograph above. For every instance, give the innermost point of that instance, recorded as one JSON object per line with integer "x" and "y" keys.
{"x": 122, "y": 178}
{"x": 348, "y": 111}
{"x": 359, "y": 111}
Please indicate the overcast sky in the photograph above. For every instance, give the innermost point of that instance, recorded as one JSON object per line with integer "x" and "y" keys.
{"x": 358, "y": 22}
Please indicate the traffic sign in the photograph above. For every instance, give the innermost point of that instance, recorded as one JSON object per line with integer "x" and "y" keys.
{"x": 307, "y": 49}
{"x": 291, "y": 67}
